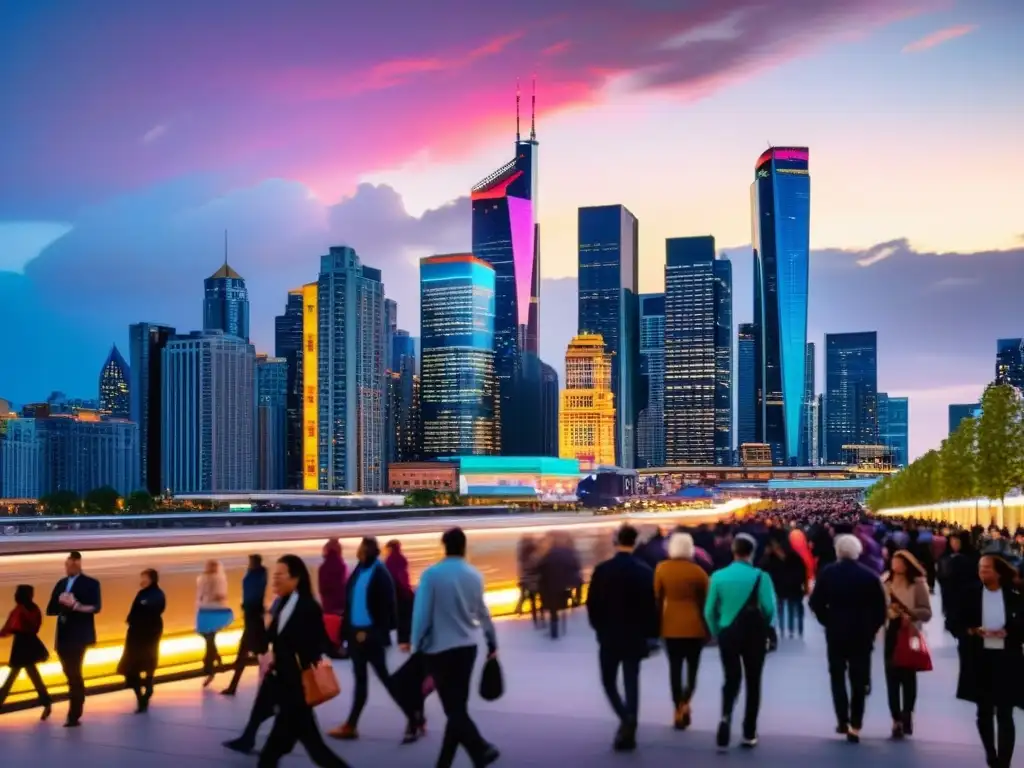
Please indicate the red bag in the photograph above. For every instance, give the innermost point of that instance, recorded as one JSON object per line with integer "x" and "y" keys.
{"x": 911, "y": 651}
{"x": 332, "y": 623}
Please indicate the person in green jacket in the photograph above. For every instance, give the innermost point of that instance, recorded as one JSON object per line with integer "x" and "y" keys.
{"x": 739, "y": 611}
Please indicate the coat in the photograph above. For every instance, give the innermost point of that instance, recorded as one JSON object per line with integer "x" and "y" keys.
{"x": 23, "y": 625}
{"x": 75, "y": 630}
{"x": 681, "y": 589}
{"x": 380, "y": 602}
{"x": 145, "y": 628}
{"x": 986, "y": 675}
{"x": 301, "y": 644}
{"x": 332, "y": 579}
{"x": 849, "y": 602}
{"x": 559, "y": 572}
{"x": 621, "y": 606}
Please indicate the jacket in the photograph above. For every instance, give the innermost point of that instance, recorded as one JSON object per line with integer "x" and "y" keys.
{"x": 301, "y": 644}
{"x": 380, "y": 603}
{"x": 558, "y": 571}
{"x": 849, "y": 602}
{"x": 145, "y": 628}
{"x": 332, "y": 579}
{"x": 730, "y": 589}
{"x": 621, "y": 606}
{"x": 681, "y": 589}
{"x": 1003, "y": 679}
{"x": 788, "y": 574}
{"x": 75, "y": 629}
{"x": 23, "y": 625}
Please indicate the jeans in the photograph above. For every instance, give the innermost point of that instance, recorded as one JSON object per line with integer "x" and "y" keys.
{"x": 626, "y": 710}
{"x": 683, "y": 652}
{"x": 71, "y": 662}
{"x": 998, "y": 750}
{"x": 743, "y": 657}
{"x": 452, "y": 671}
{"x": 844, "y": 661}
{"x": 791, "y": 615}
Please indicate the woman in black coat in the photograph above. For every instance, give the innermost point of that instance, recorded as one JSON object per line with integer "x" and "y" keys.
{"x": 988, "y": 622}
{"x": 142, "y": 643}
{"x": 27, "y": 650}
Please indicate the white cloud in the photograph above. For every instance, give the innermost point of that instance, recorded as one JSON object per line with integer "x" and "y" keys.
{"x": 154, "y": 134}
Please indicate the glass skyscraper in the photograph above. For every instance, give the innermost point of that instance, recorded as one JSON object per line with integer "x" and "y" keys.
{"x": 1010, "y": 363}
{"x": 549, "y": 410}
{"x": 809, "y": 425}
{"x": 271, "y": 422}
{"x": 960, "y": 411}
{"x": 458, "y": 390}
{"x": 746, "y": 399}
{"x": 288, "y": 345}
{"x": 894, "y": 427}
{"x": 226, "y": 303}
{"x": 851, "y": 393}
{"x": 146, "y": 342}
{"x": 698, "y": 353}
{"x": 115, "y": 389}
{"x": 651, "y": 424}
{"x": 608, "y": 240}
{"x": 780, "y": 200}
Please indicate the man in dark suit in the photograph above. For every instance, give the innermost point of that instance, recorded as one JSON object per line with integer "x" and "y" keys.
{"x": 849, "y": 602}
{"x": 624, "y": 614}
{"x": 75, "y": 602}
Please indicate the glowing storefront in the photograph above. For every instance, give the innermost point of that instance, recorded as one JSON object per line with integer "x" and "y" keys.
{"x": 541, "y": 478}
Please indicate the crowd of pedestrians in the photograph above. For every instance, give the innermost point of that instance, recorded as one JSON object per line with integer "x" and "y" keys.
{"x": 741, "y": 585}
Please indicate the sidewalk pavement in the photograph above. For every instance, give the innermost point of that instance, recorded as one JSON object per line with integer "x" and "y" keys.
{"x": 553, "y": 714}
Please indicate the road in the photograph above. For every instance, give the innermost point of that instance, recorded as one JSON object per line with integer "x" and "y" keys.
{"x": 178, "y": 555}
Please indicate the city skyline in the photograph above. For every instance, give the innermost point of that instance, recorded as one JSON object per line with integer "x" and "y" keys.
{"x": 141, "y": 236}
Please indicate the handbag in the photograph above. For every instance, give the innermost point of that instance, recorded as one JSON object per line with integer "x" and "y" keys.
{"x": 492, "y": 683}
{"x": 319, "y": 683}
{"x": 210, "y": 621}
{"x": 911, "y": 651}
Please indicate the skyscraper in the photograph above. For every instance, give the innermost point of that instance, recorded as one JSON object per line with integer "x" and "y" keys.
{"x": 506, "y": 236}
{"x": 894, "y": 427}
{"x": 404, "y": 419}
{"x": 115, "y": 392}
{"x": 808, "y": 424}
{"x": 549, "y": 410}
{"x": 851, "y": 392}
{"x": 288, "y": 345}
{"x": 960, "y": 411}
{"x": 746, "y": 397}
{"x": 209, "y": 406}
{"x": 1010, "y": 363}
{"x": 271, "y": 422}
{"x": 458, "y": 397}
{"x": 390, "y": 329}
{"x": 780, "y": 199}
{"x": 608, "y": 241}
{"x": 146, "y": 342}
{"x": 651, "y": 423}
{"x": 310, "y": 375}
{"x": 226, "y": 303}
{"x": 587, "y": 416}
{"x": 698, "y": 328}
{"x": 350, "y": 374}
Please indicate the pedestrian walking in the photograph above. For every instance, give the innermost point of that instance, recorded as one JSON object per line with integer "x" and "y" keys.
{"x": 212, "y": 614}
{"x": 141, "y": 655}
{"x": 253, "y": 642}
{"x": 27, "y": 650}
{"x": 332, "y": 580}
{"x": 909, "y": 608}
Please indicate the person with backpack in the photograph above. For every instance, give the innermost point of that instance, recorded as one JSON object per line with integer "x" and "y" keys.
{"x": 740, "y": 611}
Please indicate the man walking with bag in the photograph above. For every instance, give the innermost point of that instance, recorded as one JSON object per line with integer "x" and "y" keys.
{"x": 739, "y": 611}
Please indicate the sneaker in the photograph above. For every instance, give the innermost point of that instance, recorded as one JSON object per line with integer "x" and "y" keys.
{"x": 749, "y": 742}
{"x": 853, "y": 736}
{"x": 625, "y": 739}
{"x": 722, "y": 738}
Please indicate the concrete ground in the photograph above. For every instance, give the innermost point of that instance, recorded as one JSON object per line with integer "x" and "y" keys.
{"x": 553, "y": 714}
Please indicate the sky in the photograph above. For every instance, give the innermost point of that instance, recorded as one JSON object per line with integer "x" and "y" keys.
{"x": 134, "y": 134}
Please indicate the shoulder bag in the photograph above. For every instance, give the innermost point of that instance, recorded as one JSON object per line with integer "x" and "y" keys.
{"x": 911, "y": 651}
{"x": 319, "y": 683}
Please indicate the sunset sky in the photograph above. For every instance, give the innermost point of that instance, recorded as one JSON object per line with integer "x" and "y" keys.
{"x": 134, "y": 134}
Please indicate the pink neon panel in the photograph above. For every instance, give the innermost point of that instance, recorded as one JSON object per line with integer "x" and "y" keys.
{"x": 497, "y": 190}
{"x": 520, "y": 213}
{"x": 783, "y": 153}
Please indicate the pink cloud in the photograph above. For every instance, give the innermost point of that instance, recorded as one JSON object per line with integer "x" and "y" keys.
{"x": 939, "y": 37}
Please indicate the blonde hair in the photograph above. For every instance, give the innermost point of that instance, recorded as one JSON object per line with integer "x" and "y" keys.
{"x": 680, "y": 546}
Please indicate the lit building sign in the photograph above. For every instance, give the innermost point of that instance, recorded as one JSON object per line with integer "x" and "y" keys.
{"x": 784, "y": 154}
{"x": 310, "y": 376}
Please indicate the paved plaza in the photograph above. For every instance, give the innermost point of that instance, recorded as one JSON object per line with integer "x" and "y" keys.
{"x": 553, "y": 714}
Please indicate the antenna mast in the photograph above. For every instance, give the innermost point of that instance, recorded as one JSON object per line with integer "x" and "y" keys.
{"x": 533, "y": 111}
{"x": 517, "y": 110}
{"x": 225, "y": 247}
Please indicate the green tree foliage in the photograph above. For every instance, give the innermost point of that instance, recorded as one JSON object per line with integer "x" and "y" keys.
{"x": 1000, "y": 441}
{"x": 958, "y": 460}
{"x": 139, "y": 503}
{"x": 102, "y": 501}
{"x": 421, "y": 497}
{"x": 61, "y": 504}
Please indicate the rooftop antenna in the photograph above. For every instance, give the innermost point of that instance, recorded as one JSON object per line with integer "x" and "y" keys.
{"x": 225, "y": 247}
{"x": 533, "y": 111}
{"x": 517, "y": 110}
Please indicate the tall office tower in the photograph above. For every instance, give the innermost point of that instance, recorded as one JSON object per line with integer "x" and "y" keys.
{"x": 894, "y": 427}
{"x": 458, "y": 397}
{"x": 608, "y": 241}
{"x": 115, "y": 390}
{"x": 146, "y": 342}
{"x": 851, "y": 392}
{"x": 209, "y": 408}
{"x": 812, "y": 433}
{"x": 698, "y": 309}
{"x": 821, "y": 428}
{"x": 807, "y": 423}
{"x": 350, "y": 380}
{"x": 288, "y": 345}
{"x": 403, "y": 419}
{"x": 310, "y": 375}
{"x": 390, "y": 329}
{"x": 1010, "y": 363}
{"x": 746, "y": 397}
{"x": 68, "y": 452}
{"x": 226, "y": 302}
{"x": 549, "y": 410}
{"x": 651, "y": 424}
{"x": 587, "y": 416}
{"x": 271, "y": 422}
{"x": 506, "y": 235}
{"x": 960, "y": 411}
{"x": 780, "y": 200}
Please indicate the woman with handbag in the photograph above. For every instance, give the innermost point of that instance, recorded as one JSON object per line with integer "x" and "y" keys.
{"x": 141, "y": 654}
{"x": 987, "y": 619}
{"x": 212, "y": 613}
{"x": 909, "y": 607}
{"x": 297, "y": 674}
{"x": 27, "y": 650}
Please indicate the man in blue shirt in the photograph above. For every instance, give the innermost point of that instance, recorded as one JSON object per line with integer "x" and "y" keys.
{"x": 739, "y": 611}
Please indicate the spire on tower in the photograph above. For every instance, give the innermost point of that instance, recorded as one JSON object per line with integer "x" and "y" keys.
{"x": 517, "y": 110}
{"x": 533, "y": 111}
{"x": 225, "y": 247}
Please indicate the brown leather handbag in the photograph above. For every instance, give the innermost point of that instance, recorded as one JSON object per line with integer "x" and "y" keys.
{"x": 319, "y": 683}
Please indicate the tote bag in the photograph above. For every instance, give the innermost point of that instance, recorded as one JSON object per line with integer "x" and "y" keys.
{"x": 492, "y": 683}
{"x": 911, "y": 651}
{"x": 319, "y": 683}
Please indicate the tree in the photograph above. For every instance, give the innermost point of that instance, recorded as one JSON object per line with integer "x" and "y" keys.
{"x": 1000, "y": 441}
{"x": 102, "y": 501}
{"x": 958, "y": 457}
{"x": 421, "y": 497}
{"x": 61, "y": 503}
{"x": 139, "y": 503}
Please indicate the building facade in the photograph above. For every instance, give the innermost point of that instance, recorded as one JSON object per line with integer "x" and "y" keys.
{"x": 780, "y": 199}
{"x": 549, "y": 410}
{"x": 403, "y": 401}
{"x": 209, "y": 407}
{"x": 146, "y": 342}
{"x": 651, "y": 422}
{"x": 894, "y": 427}
{"x": 226, "y": 303}
{"x": 809, "y": 426}
{"x": 1010, "y": 363}
{"x": 746, "y": 397}
{"x": 608, "y": 251}
{"x": 587, "y": 415}
{"x": 698, "y": 353}
{"x": 64, "y": 452}
{"x": 851, "y": 393}
{"x": 960, "y": 411}
{"x": 458, "y": 389}
{"x": 271, "y": 422}
{"x": 115, "y": 386}
{"x": 288, "y": 346}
